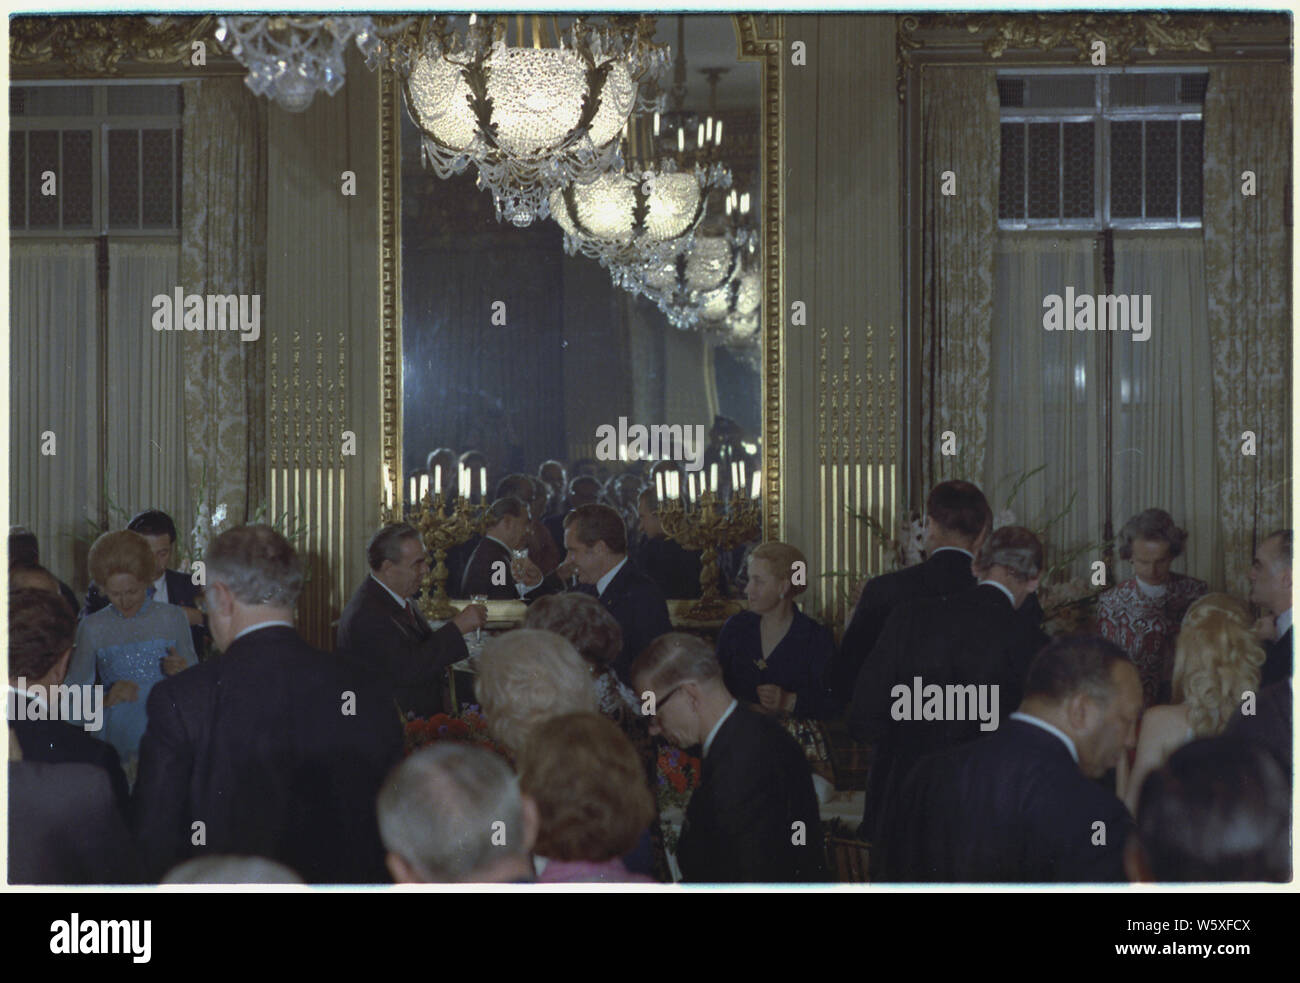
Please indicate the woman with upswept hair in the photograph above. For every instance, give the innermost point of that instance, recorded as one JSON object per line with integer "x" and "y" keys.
{"x": 1217, "y": 660}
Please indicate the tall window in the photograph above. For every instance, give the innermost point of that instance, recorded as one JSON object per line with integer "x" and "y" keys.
{"x": 94, "y": 160}
{"x": 1100, "y": 193}
{"x": 1097, "y": 150}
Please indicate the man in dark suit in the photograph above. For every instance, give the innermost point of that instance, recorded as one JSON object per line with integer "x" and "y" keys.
{"x": 755, "y": 815}
{"x": 488, "y": 571}
{"x": 1270, "y": 588}
{"x": 675, "y": 569}
{"x": 975, "y": 638}
{"x": 274, "y": 749}
{"x": 1023, "y": 804}
{"x": 381, "y": 626}
{"x": 25, "y": 554}
{"x": 169, "y": 586}
{"x": 596, "y": 540}
{"x": 41, "y": 632}
{"x": 64, "y": 827}
{"x": 957, "y": 515}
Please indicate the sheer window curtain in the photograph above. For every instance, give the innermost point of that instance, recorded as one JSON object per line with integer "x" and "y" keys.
{"x": 1044, "y": 397}
{"x": 1163, "y": 399}
{"x": 53, "y": 365}
{"x": 146, "y": 465}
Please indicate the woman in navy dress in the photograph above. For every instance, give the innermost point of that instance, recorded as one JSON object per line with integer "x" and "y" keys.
{"x": 774, "y": 656}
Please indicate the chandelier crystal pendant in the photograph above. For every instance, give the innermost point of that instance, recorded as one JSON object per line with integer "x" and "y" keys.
{"x": 532, "y": 119}
{"x": 290, "y": 58}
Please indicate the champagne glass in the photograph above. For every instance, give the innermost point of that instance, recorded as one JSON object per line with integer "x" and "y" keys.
{"x": 478, "y": 599}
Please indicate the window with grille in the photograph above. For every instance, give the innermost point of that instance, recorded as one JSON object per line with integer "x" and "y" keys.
{"x": 114, "y": 152}
{"x": 1098, "y": 150}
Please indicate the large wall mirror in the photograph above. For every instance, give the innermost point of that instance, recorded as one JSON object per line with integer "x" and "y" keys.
{"x": 515, "y": 349}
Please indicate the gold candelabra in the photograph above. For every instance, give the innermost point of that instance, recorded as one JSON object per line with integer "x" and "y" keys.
{"x": 440, "y": 531}
{"x": 710, "y": 528}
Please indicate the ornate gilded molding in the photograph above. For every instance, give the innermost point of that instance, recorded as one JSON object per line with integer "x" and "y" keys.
{"x": 390, "y": 272}
{"x": 110, "y": 47}
{"x": 1067, "y": 38}
{"x": 761, "y": 40}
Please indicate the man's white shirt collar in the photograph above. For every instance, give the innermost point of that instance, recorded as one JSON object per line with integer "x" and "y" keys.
{"x": 955, "y": 549}
{"x": 1038, "y": 722}
{"x": 160, "y": 589}
{"x": 1283, "y": 622}
{"x": 1002, "y": 587}
{"x": 708, "y": 741}
{"x": 401, "y": 601}
{"x": 260, "y": 625}
{"x": 603, "y": 582}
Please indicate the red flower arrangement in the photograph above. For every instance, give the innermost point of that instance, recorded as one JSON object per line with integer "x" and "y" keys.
{"x": 679, "y": 776}
{"x": 468, "y": 728}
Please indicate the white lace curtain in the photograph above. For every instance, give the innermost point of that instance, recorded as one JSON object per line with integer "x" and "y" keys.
{"x": 53, "y": 398}
{"x": 120, "y": 398}
{"x": 1047, "y": 395}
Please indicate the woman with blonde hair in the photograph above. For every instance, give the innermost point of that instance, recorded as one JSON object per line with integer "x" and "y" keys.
{"x": 774, "y": 656}
{"x": 1217, "y": 659}
{"x": 131, "y": 644}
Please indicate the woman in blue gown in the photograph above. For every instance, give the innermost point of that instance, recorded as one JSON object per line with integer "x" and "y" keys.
{"x": 131, "y": 644}
{"x": 774, "y": 656}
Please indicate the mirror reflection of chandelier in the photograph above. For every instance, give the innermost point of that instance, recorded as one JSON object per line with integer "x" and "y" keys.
{"x": 532, "y": 118}
{"x": 638, "y": 214}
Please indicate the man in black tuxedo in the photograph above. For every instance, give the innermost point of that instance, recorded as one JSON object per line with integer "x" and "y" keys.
{"x": 755, "y": 814}
{"x": 381, "y": 626}
{"x": 675, "y": 569}
{"x": 975, "y": 638}
{"x": 488, "y": 571}
{"x": 41, "y": 633}
{"x": 596, "y": 540}
{"x": 276, "y": 748}
{"x": 169, "y": 586}
{"x": 957, "y": 515}
{"x": 1023, "y": 804}
{"x": 1270, "y": 587}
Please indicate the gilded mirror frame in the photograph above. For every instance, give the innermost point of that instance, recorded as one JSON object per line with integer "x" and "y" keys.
{"x": 759, "y": 39}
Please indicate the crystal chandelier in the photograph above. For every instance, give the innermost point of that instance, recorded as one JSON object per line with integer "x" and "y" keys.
{"x": 532, "y": 119}
{"x": 290, "y": 59}
{"x": 634, "y": 217}
{"x": 693, "y": 276}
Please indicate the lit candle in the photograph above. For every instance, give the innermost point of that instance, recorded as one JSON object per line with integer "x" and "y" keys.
{"x": 755, "y": 481}
{"x": 713, "y": 477}
{"x": 424, "y": 486}
{"x": 736, "y": 483}
{"x": 699, "y": 136}
{"x": 681, "y": 140}
{"x": 410, "y": 490}
{"x": 717, "y": 134}
{"x": 482, "y": 483}
{"x": 674, "y": 485}
{"x": 744, "y": 203}
{"x": 708, "y": 128}
{"x": 437, "y": 478}
{"x": 656, "y": 124}
{"x": 388, "y": 489}
{"x": 462, "y": 481}
{"x": 660, "y": 486}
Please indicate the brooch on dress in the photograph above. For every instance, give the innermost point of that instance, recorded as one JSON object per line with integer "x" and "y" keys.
{"x": 761, "y": 662}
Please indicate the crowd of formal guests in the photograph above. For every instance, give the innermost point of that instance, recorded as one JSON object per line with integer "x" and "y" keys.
{"x": 1155, "y": 748}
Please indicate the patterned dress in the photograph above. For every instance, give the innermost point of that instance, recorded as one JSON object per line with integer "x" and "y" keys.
{"x": 1146, "y": 627}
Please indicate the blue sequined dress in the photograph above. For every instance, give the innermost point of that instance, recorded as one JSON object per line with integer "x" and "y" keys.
{"x": 110, "y": 648}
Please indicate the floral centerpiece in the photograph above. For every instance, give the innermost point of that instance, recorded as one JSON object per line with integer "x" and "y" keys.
{"x": 678, "y": 776}
{"x": 468, "y": 727}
